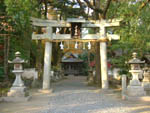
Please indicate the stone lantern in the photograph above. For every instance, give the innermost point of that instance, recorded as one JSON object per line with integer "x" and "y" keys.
{"x": 18, "y": 91}
{"x": 135, "y": 88}
{"x": 18, "y": 69}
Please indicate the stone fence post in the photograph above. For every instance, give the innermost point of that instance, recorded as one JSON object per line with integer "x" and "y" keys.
{"x": 124, "y": 85}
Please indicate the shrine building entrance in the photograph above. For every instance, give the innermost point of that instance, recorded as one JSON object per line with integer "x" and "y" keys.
{"x": 72, "y": 65}
{"x": 76, "y": 26}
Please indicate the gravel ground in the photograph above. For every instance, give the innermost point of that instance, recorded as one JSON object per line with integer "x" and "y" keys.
{"x": 73, "y": 96}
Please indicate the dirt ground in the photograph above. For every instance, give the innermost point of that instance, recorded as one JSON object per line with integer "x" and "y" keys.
{"x": 37, "y": 102}
{"x": 40, "y": 101}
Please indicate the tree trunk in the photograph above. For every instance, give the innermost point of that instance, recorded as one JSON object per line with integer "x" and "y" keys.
{"x": 97, "y": 63}
{"x": 39, "y": 47}
{"x": 6, "y": 53}
{"x": 97, "y": 58}
{"x": 39, "y": 57}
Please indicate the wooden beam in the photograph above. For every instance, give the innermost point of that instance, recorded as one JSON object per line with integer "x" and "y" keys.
{"x": 86, "y": 23}
{"x": 40, "y": 36}
{"x": 61, "y": 36}
{"x": 111, "y": 24}
{"x": 79, "y": 40}
{"x": 68, "y": 37}
{"x": 42, "y": 20}
{"x": 52, "y": 23}
{"x": 90, "y": 36}
{"x": 90, "y": 25}
{"x": 58, "y": 24}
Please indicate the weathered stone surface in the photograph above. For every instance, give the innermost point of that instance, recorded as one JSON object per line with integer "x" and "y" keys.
{"x": 124, "y": 85}
{"x": 18, "y": 81}
{"x": 135, "y": 91}
{"x": 47, "y": 65}
{"x": 135, "y": 83}
{"x": 116, "y": 73}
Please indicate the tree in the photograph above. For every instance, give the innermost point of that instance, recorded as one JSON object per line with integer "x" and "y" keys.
{"x": 6, "y": 32}
{"x": 134, "y": 30}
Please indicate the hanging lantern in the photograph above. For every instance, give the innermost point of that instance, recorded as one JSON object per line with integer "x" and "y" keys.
{"x": 61, "y": 46}
{"x": 76, "y": 45}
{"x": 89, "y": 45}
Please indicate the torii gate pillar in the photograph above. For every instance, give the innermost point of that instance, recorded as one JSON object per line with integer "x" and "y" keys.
{"x": 103, "y": 59}
{"x": 47, "y": 62}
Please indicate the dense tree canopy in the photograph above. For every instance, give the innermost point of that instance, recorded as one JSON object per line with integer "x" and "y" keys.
{"x": 134, "y": 28}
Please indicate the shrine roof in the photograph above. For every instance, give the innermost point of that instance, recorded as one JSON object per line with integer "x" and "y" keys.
{"x": 70, "y": 57}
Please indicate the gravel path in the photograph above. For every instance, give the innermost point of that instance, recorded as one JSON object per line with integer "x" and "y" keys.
{"x": 73, "y": 96}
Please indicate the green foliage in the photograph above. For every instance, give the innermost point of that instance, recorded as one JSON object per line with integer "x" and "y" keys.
{"x": 134, "y": 30}
{"x": 20, "y": 12}
{"x": 84, "y": 57}
{"x": 68, "y": 9}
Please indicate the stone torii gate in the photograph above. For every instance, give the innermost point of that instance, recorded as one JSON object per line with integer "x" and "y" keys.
{"x": 77, "y": 23}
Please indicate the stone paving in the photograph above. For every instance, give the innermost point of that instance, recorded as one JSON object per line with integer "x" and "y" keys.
{"x": 73, "y": 96}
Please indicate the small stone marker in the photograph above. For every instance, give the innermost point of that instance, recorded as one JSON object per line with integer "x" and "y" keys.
{"x": 124, "y": 86}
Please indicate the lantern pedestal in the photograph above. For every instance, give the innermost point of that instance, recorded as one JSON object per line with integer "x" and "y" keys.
{"x": 17, "y": 94}
{"x": 18, "y": 81}
{"x": 135, "y": 88}
{"x": 18, "y": 91}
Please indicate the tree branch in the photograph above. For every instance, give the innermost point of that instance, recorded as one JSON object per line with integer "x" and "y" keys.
{"x": 81, "y": 6}
{"x": 144, "y": 4}
{"x": 45, "y": 13}
{"x": 80, "y": 3}
{"x": 92, "y": 7}
{"x": 106, "y": 8}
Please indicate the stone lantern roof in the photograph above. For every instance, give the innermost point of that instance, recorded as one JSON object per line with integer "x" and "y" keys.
{"x": 17, "y": 60}
{"x": 135, "y": 60}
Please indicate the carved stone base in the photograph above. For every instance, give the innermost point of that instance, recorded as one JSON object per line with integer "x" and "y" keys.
{"x": 17, "y": 94}
{"x": 135, "y": 83}
{"x": 135, "y": 91}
